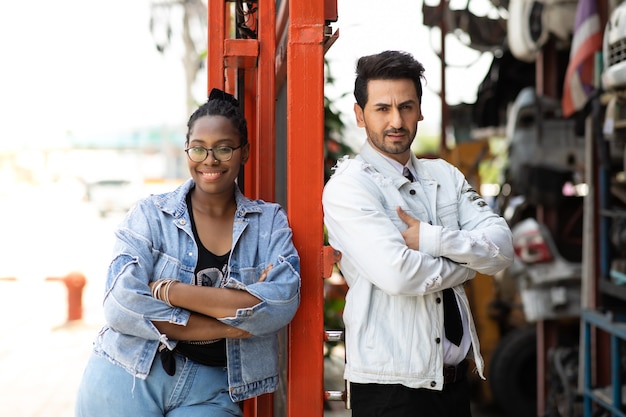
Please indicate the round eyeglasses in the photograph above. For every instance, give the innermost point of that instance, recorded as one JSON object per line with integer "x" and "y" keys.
{"x": 220, "y": 153}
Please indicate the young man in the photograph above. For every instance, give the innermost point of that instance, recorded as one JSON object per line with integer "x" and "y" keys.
{"x": 411, "y": 232}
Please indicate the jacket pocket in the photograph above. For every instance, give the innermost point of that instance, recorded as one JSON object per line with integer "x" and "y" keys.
{"x": 166, "y": 266}
{"x": 448, "y": 215}
{"x": 392, "y": 214}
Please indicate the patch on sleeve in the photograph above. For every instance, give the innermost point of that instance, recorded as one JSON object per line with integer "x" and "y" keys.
{"x": 475, "y": 198}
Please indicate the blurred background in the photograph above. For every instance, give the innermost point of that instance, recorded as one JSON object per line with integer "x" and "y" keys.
{"x": 94, "y": 98}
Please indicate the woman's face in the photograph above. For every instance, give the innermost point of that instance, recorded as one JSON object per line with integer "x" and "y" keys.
{"x": 211, "y": 175}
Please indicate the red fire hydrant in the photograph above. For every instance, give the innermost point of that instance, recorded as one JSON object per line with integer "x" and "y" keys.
{"x": 74, "y": 282}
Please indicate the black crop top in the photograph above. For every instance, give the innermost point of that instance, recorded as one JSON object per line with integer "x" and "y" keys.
{"x": 211, "y": 270}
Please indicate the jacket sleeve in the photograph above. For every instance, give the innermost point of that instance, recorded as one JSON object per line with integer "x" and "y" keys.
{"x": 483, "y": 240}
{"x": 128, "y": 304}
{"x": 280, "y": 291}
{"x": 368, "y": 235}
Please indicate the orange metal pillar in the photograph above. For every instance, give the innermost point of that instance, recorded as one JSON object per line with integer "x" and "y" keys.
{"x": 216, "y": 34}
{"x": 266, "y": 102}
{"x": 260, "y": 107}
{"x": 262, "y": 63}
{"x": 253, "y": 60}
{"x": 305, "y": 141}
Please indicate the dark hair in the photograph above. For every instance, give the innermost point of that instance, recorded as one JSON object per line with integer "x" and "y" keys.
{"x": 387, "y": 65}
{"x": 221, "y": 103}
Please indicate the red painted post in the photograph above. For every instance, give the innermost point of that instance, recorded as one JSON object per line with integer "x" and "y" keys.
{"x": 305, "y": 180}
{"x": 74, "y": 282}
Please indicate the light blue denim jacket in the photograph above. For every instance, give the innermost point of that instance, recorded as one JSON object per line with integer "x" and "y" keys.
{"x": 155, "y": 241}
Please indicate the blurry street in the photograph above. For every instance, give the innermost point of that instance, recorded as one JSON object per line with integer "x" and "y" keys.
{"x": 47, "y": 232}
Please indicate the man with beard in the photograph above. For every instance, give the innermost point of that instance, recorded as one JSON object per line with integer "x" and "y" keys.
{"x": 411, "y": 232}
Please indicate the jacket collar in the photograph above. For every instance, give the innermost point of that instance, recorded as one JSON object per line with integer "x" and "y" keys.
{"x": 174, "y": 204}
{"x": 382, "y": 165}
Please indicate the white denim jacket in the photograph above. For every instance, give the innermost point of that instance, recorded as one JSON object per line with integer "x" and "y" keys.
{"x": 393, "y": 314}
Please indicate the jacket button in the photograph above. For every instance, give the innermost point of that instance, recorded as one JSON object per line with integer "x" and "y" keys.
{"x": 433, "y": 384}
{"x": 438, "y": 300}
{"x": 412, "y": 192}
{"x": 437, "y": 340}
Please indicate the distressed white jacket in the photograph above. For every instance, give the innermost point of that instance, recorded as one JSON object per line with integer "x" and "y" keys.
{"x": 393, "y": 314}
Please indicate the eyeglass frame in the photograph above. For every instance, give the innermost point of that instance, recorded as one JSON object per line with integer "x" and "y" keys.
{"x": 207, "y": 150}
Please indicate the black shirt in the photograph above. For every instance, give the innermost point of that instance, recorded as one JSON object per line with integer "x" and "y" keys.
{"x": 211, "y": 270}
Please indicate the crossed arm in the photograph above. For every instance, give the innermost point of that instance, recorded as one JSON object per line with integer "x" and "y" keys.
{"x": 207, "y": 304}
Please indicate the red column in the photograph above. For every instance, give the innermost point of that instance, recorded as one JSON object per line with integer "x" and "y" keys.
{"x": 305, "y": 145}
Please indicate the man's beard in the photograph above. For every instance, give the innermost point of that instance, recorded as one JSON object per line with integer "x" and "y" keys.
{"x": 391, "y": 148}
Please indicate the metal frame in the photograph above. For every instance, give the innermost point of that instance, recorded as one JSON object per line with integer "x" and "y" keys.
{"x": 609, "y": 397}
{"x": 289, "y": 50}
{"x": 305, "y": 180}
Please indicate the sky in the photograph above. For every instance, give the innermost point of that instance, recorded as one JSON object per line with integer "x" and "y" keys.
{"x": 75, "y": 66}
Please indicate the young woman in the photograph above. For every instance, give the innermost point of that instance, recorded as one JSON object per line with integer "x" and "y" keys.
{"x": 201, "y": 281}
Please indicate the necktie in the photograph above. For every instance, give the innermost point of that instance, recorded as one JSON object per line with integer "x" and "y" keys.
{"x": 407, "y": 174}
{"x": 451, "y": 316}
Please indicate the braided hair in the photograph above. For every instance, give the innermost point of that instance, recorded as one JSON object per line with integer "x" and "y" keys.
{"x": 220, "y": 103}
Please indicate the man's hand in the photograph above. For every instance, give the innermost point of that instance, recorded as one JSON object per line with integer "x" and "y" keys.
{"x": 412, "y": 234}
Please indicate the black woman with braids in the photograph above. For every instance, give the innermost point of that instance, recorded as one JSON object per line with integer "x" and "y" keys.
{"x": 201, "y": 281}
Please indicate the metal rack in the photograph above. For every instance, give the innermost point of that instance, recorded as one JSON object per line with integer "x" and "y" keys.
{"x": 603, "y": 321}
{"x": 610, "y": 397}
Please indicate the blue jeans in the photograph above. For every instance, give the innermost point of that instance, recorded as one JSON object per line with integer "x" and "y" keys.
{"x": 194, "y": 390}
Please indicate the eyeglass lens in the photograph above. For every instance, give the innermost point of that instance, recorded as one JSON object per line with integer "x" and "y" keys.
{"x": 221, "y": 153}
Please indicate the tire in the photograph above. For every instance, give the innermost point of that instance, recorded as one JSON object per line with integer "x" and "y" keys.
{"x": 513, "y": 373}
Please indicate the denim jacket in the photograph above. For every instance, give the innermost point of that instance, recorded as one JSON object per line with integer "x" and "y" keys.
{"x": 393, "y": 314}
{"x": 155, "y": 241}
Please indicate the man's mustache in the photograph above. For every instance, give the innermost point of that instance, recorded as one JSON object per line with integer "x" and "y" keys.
{"x": 395, "y": 131}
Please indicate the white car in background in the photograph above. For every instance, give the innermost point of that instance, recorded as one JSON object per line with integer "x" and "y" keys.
{"x": 114, "y": 195}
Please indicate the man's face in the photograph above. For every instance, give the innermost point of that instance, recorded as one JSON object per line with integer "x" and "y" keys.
{"x": 390, "y": 117}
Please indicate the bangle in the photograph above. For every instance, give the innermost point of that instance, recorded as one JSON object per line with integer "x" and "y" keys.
{"x": 161, "y": 290}
{"x": 156, "y": 288}
{"x": 166, "y": 292}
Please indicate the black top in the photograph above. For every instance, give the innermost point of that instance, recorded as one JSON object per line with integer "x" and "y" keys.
{"x": 211, "y": 270}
